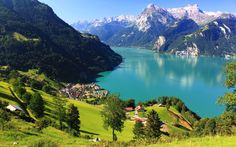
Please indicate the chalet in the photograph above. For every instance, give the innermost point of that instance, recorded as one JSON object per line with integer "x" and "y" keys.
{"x": 13, "y": 108}
{"x": 140, "y": 108}
{"x": 139, "y": 119}
{"x": 128, "y": 109}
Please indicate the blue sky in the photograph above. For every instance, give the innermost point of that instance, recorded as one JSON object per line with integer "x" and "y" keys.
{"x": 74, "y": 10}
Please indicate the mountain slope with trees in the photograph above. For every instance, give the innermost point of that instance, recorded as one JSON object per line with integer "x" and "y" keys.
{"x": 215, "y": 38}
{"x": 32, "y": 36}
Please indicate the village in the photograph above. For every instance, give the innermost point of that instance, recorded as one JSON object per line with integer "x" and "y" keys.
{"x": 83, "y": 91}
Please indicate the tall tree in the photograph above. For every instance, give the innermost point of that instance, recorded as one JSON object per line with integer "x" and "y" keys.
{"x": 60, "y": 110}
{"x": 113, "y": 114}
{"x": 73, "y": 121}
{"x": 138, "y": 130}
{"x": 229, "y": 99}
{"x": 130, "y": 103}
{"x": 225, "y": 123}
{"x": 37, "y": 105}
{"x": 153, "y": 125}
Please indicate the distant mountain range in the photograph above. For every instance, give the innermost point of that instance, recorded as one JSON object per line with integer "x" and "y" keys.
{"x": 184, "y": 30}
{"x": 32, "y": 36}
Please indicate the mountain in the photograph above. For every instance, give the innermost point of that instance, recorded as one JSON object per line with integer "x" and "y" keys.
{"x": 131, "y": 30}
{"x": 193, "y": 12}
{"x": 155, "y": 27}
{"x": 181, "y": 28}
{"x": 32, "y": 36}
{"x": 215, "y": 38}
{"x": 106, "y": 27}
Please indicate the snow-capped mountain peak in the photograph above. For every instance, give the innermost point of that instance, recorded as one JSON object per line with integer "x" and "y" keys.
{"x": 192, "y": 7}
{"x": 153, "y": 15}
{"x": 152, "y": 8}
{"x": 191, "y": 11}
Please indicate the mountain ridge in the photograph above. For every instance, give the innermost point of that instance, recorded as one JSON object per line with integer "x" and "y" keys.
{"x": 148, "y": 28}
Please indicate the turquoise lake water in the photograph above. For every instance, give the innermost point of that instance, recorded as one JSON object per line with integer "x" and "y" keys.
{"x": 146, "y": 75}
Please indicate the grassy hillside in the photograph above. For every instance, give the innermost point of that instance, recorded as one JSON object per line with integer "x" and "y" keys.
{"x": 91, "y": 122}
{"x": 25, "y": 133}
{"x": 218, "y": 141}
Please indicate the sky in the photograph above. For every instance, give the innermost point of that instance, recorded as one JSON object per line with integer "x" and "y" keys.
{"x": 74, "y": 10}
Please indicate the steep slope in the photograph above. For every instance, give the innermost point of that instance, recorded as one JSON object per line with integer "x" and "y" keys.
{"x": 152, "y": 22}
{"x": 183, "y": 27}
{"x": 32, "y": 36}
{"x": 216, "y": 38}
{"x": 140, "y": 30}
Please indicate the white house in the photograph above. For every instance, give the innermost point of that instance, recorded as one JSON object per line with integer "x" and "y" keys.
{"x": 14, "y": 108}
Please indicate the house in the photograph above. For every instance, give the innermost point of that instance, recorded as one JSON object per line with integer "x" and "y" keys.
{"x": 161, "y": 105}
{"x": 13, "y": 108}
{"x": 140, "y": 108}
{"x": 128, "y": 109}
{"x": 139, "y": 119}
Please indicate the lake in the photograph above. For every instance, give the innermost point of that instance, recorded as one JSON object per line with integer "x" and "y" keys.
{"x": 144, "y": 75}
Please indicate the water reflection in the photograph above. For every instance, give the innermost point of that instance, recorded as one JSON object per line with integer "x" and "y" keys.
{"x": 144, "y": 75}
{"x": 184, "y": 70}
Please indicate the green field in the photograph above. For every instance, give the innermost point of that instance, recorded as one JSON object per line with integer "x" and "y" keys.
{"x": 218, "y": 141}
{"x": 22, "y": 38}
{"x": 91, "y": 120}
{"x": 25, "y": 133}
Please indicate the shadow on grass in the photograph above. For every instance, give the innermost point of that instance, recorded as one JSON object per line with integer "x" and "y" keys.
{"x": 165, "y": 133}
{"x": 5, "y": 96}
{"x": 86, "y": 132}
{"x": 29, "y": 133}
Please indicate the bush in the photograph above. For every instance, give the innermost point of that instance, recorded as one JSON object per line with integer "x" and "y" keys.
{"x": 47, "y": 89}
{"x": 43, "y": 123}
{"x": 20, "y": 91}
{"x": 44, "y": 143}
{"x": 36, "y": 105}
{"x": 36, "y": 85}
{"x": 130, "y": 103}
{"x": 3, "y": 104}
{"x": 4, "y": 118}
{"x": 26, "y": 98}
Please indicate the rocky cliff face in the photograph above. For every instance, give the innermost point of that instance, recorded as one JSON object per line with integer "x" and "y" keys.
{"x": 215, "y": 38}
{"x": 181, "y": 28}
{"x": 159, "y": 43}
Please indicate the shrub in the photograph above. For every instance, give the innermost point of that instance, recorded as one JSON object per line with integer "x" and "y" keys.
{"x": 26, "y": 98}
{"x": 47, "y": 89}
{"x": 42, "y": 123}
{"x": 37, "y": 105}
{"x": 44, "y": 143}
{"x": 36, "y": 85}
